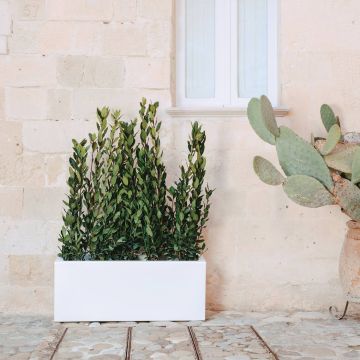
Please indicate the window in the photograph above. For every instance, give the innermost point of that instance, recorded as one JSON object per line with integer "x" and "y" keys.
{"x": 226, "y": 52}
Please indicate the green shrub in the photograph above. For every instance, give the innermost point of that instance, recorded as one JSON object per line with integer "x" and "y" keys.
{"x": 119, "y": 207}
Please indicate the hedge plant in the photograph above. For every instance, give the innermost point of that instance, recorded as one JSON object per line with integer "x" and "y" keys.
{"x": 119, "y": 206}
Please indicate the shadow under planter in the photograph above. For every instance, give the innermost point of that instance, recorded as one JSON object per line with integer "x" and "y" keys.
{"x": 129, "y": 290}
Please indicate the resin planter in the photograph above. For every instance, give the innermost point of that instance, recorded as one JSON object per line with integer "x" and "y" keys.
{"x": 349, "y": 265}
{"x": 129, "y": 290}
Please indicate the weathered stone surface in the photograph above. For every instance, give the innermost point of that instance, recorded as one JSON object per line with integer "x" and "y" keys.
{"x": 157, "y": 9}
{"x": 148, "y": 73}
{"x": 28, "y": 9}
{"x": 51, "y": 137}
{"x": 13, "y": 198}
{"x": 161, "y": 343}
{"x": 43, "y": 203}
{"x": 95, "y": 343}
{"x": 59, "y": 104}
{"x": 5, "y": 18}
{"x": 3, "y": 45}
{"x": 98, "y": 72}
{"x": 27, "y": 270}
{"x": 25, "y": 37}
{"x": 79, "y": 10}
{"x": 26, "y": 103}
{"x": 26, "y": 71}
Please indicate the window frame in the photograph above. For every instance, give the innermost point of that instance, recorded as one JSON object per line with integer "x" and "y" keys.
{"x": 226, "y": 57}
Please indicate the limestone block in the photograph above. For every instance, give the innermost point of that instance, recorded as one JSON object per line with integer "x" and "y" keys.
{"x": 70, "y": 70}
{"x": 28, "y": 9}
{"x": 85, "y": 101}
{"x": 28, "y": 70}
{"x": 149, "y": 73}
{"x": 79, "y": 10}
{"x": 22, "y": 170}
{"x": 3, "y": 45}
{"x": 59, "y": 104}
{"x": 159, "y": 37}
{"x": 29, "y": 237}
{"x": 77, "y": 71}
{"x": 4, "y": 270}
{"x": 10, "y": 138}
{"x": 72, "y": 38}
{"x": 56, "y": 170}
{"x": 103, "y": 72}
{"x": 26, "y": 299}
{"x": 5, "y": 18}
{"x": 43, "y": 203}
{"x": 155, "y": 9}
{"x": 26, "y": 270}
{"x": 25, "y": 37}
{"x": 11, "y": 200}
{"x": 125, "y": 10}
{"x": 124, "y": 39}
{"x": 51, "y": 137}
{"x": 25, "y": 103}
{"x": 2, "y": 104}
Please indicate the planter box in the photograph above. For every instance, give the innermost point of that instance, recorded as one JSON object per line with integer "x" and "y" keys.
{"x": 129, "y": 290}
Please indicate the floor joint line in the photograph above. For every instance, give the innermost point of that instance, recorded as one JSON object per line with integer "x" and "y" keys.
{"x": 58, "y": 344}
{"x": 264, "y": 343}
{"x": 195, "y": 343}
{"x": 128, "y": 344}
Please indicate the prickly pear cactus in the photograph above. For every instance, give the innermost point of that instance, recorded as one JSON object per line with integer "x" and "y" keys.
{"x": 258, "y": 122}
{"x": 323, "y": 172}
{"x": 355, "y": 167}
{"x": 333, "y": 138}
{"x": 298, "y": 157}
{"x": 348, "y": 197}
{"x": 327, "y": 116}
{"x": 307, "y": 191}
{"x": 267, "y": 172}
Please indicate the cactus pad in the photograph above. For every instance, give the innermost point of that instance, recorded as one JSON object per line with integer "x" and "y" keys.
{"x": 333, "y": 138}
{"x": 355, "y": 167}
{"x": 328, "y": 117}
{"x": 257, "y": 122}
{"x": 348, "y": 197}
{"x": 298, "y": 157}
{"x": 341, "y": 158}
{"x": 267, "y": 172}
{"x": 307, "y": 191}
{"x": 267, "y": 112}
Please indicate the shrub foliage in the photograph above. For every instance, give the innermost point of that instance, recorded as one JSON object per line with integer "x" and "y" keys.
{"x": 119, "y": 206}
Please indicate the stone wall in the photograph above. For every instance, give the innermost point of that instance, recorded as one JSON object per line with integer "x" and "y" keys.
{"x": 61, "y": 59}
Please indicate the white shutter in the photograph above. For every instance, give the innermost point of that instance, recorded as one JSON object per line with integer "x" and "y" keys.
{"x": 200, "y": 49}
{"x": 252, "y": 48}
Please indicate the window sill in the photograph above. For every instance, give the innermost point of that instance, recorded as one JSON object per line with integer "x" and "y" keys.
{"x": 217, "y": 112}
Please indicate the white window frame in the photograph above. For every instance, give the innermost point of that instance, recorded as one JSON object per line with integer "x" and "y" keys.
{"x": 226, "y": 57}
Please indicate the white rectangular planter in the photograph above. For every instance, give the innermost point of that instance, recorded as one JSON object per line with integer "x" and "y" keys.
{"x": 129, "y": 290}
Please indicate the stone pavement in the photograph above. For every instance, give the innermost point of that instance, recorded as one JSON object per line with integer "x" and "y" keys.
{"x": 224, "y": 335}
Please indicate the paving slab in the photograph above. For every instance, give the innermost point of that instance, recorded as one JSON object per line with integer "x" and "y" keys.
{"x": 313, "y": 339}
{"x": 86, "y": 342}
{"x": 161, "y": 343}
{"x": 21, "y": 335}
{"x": 230, "y": 343}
